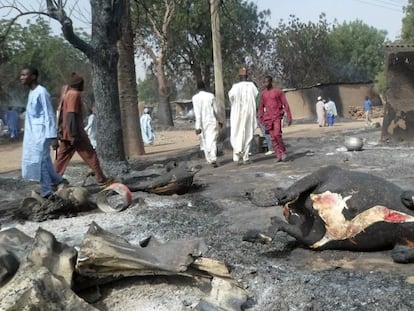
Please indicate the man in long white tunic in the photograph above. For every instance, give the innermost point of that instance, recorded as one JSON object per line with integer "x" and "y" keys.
{"x": 147, "y": 132}
{"x": 90, "y": 127}
{"x": 320, "y": 112}
{"x": 242, "y": 117}
{"x": 39, "y": 134}
{"x": 206, "y": 122}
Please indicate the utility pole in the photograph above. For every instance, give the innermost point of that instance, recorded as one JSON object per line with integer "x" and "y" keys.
{"x": 218, "y": 67}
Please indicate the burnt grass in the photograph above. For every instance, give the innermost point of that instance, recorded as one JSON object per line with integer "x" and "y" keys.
{"x": 283, "y": 275}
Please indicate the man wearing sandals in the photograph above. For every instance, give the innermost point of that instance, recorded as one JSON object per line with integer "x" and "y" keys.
{"x": 72, "y": 134}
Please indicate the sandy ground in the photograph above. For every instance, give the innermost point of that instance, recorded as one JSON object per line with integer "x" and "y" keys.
{"x": 169, "y": 142}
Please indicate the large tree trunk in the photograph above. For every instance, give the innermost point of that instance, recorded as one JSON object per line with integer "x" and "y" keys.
{"x": 128, "y": 98}
{"x": 105, "y": 34}
{"x": 103, "y": 54}
{"x": 164, "y": 108}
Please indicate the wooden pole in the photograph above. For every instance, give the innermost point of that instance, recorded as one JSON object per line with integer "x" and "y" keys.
{"x": 218, "y": 67}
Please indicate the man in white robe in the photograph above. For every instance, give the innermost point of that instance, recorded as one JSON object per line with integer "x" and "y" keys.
{"x": 242, "y": 117}
{"x": 39, "y": 134}
{"x": 90, "y": 127}
{"x": 146, "y": 128}
{"x": 320, "y": 112}
{"x": 206, "y": 122}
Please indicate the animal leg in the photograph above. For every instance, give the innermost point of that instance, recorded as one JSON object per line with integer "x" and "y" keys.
{"x": 278, "y": 224}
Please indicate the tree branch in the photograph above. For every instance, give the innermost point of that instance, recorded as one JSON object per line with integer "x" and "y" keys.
{"x": 147, "y": 49}
{"x": 55, "y": 10}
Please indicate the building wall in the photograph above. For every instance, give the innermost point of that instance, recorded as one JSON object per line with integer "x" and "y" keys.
{"x": 302, "y": 102}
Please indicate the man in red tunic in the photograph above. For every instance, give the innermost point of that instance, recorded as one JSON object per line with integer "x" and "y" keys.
{"x": 273, "y": 105}
{"x": 72, "y": 134}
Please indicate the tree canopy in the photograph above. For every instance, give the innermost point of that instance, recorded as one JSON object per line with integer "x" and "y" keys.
{"x": 407, "y": 33}
{"x": 35, "y": 45}
{"x": 310, "y": 53}
{"x": 358, "y": 51}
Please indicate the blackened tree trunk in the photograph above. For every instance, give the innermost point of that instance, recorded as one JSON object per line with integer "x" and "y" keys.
{"x": 127, "y": 85}
{"x": 103, "y": 54}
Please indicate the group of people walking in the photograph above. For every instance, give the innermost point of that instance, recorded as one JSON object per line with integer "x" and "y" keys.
{"x": 65, "y": 134}
{"x": 249, "y": 108}
{"x": 245, "y": 116}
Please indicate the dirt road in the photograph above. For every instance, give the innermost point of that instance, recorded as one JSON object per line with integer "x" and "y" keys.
{"x": 173, "y": 141}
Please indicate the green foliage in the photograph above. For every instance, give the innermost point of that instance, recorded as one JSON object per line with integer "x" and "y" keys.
{"x": 312, "y": 53}
{"x": 148, "y": 89}
{"x": 244, "y": 32}
{"x": 295, "y": 53}
{"x": 34, "y": 45}
{"x": 380, "y": 82}
{"x": 302, "y": 52}
{"x": 190, "y": 53}
{"x": 407, "y": 33}
{"x": 357, "y": 51}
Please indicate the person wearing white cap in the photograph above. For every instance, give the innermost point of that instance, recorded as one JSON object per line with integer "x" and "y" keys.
{"x": 242, "y": 117}
{"x": 146, "y": 128}
{"x": 320, "y": 112}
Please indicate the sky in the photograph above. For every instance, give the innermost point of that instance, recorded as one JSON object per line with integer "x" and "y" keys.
{"x": 381, "y": 14}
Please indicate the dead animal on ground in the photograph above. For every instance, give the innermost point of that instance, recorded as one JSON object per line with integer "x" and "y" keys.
{"x": 335, "y": 208}
{"x": 177, "y": 179}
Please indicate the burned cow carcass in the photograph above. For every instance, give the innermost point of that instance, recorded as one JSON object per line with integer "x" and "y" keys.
{"x": 335, "y": 208}
{"x": 176, "y": 179}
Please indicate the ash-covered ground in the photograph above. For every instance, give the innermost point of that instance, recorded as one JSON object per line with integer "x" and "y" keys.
{"x": 279, "y": 276}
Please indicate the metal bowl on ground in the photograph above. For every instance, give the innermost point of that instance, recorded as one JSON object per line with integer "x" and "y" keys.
{"x": 353, "y": 143}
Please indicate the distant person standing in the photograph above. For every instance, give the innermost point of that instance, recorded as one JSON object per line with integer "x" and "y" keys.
{"x": 12, "y": 120}
{"x": 273, "y": 106}
{"x": 331, "y": 112}
{"x": 39, "y": 135}
{"x": 367, "y": 110}
{"x": 242, "y": 117}
{"x": 146, "y": 128}
{"x": 90, "y": 127}
{"x": 206, "y": 122}
{"x": 320, "y": 112}
{"x": 72, "y": 134}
